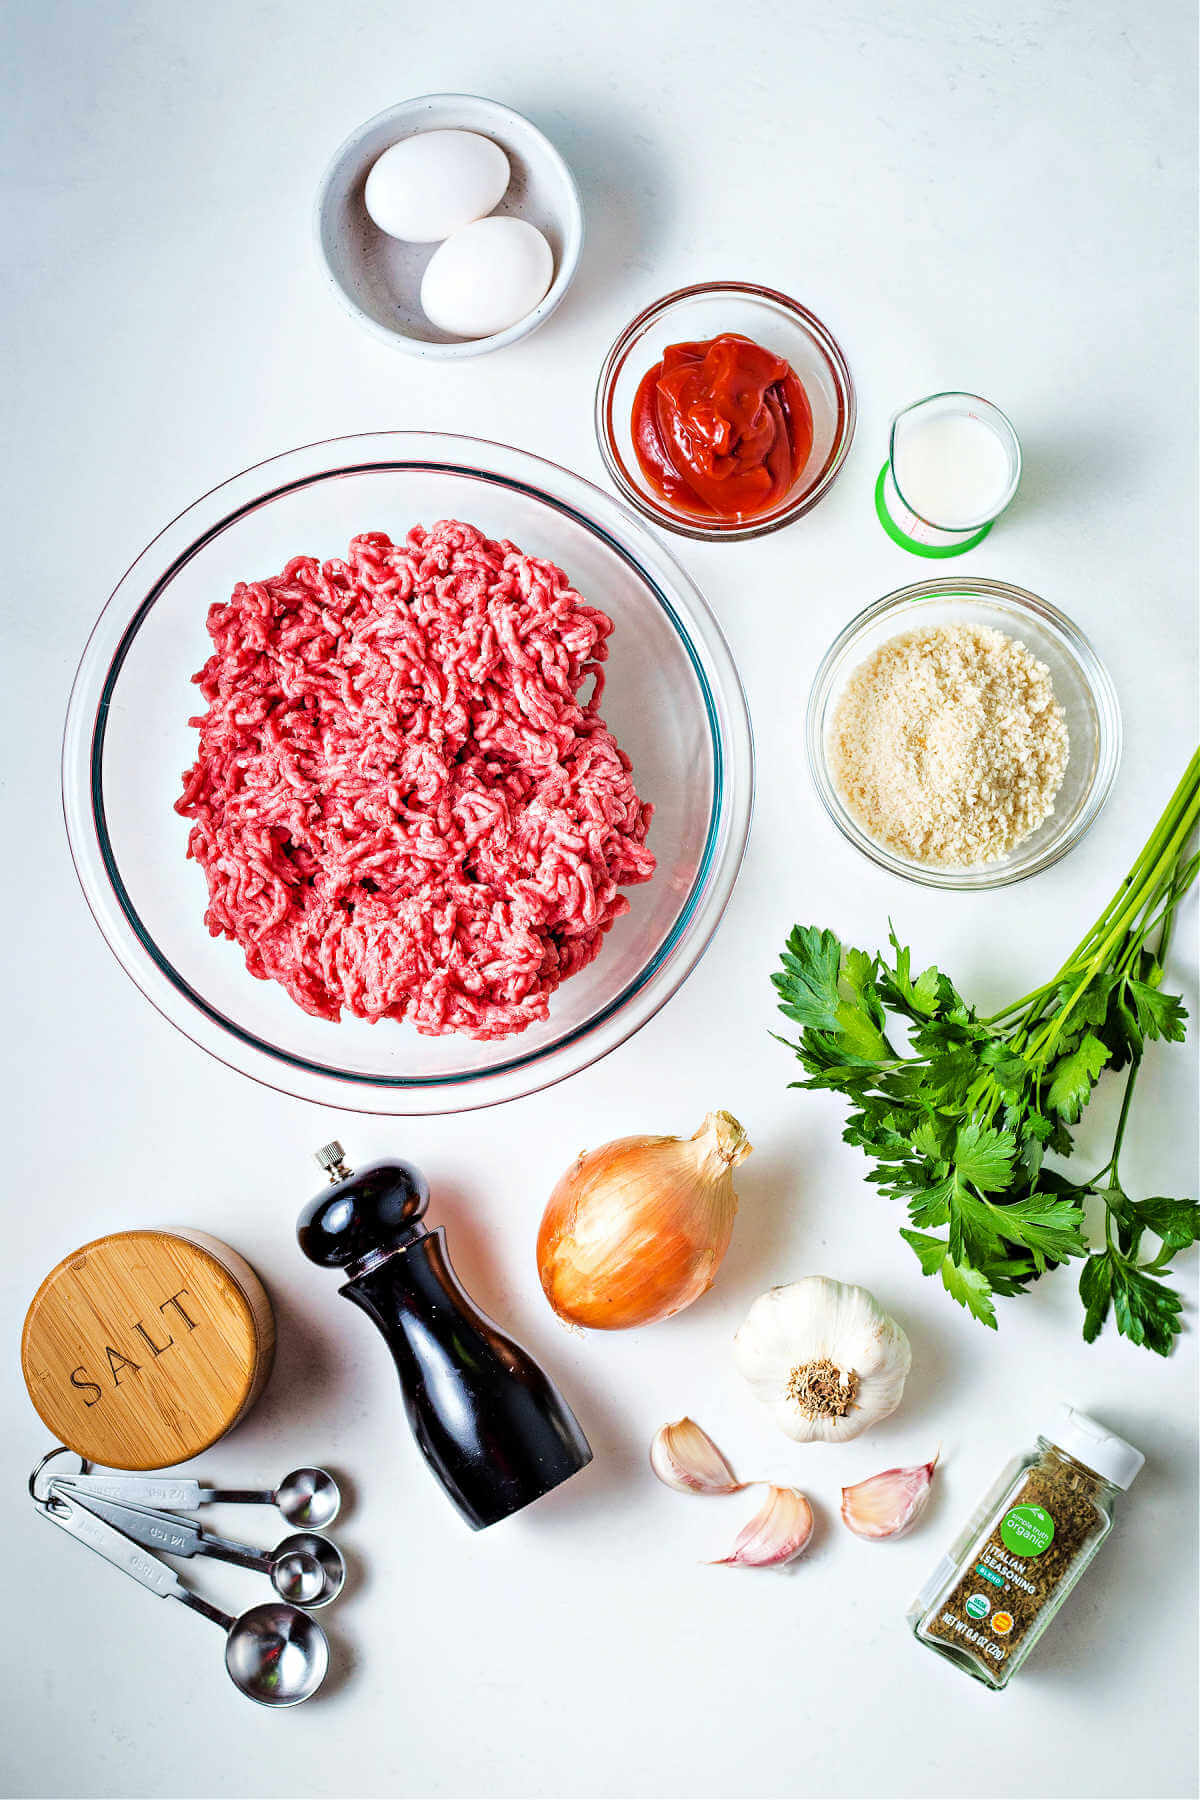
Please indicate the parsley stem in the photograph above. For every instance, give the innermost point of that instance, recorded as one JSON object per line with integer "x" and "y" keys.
{"x": 1147, "y": 892}
{"x": 1122, "y": 1121}
{"x": 1156, "y": 868}
{"x": 1160, "y": 957}
{"x": 1160, "y": 849}
{"x": 1111, "y": 1167}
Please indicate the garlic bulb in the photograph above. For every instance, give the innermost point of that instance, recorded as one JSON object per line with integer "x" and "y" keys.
{"x": 636, "y": 1230}
{"x": 824, "y": 1357}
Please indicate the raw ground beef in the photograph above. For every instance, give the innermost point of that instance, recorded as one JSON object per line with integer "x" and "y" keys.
{"x": 401, "y": 805}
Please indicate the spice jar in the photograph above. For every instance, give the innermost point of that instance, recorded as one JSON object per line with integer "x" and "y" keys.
{"x": 989, "y": 1600}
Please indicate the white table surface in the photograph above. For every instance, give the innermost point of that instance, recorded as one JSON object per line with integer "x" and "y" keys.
{"x": 990, "y": 196}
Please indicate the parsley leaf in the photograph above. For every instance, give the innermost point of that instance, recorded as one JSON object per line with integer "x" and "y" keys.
{"x": 809, "y": 984}
{"x": 842, "y": 1017}
{"x": 984, "y": 1157}
{"x": 919, "y": 997}
{"x": 1147, "y": 1311}
{"x": 971, "y": 1289}
{"x": 1049, "y": 1226}
{"x": 931, "y": 1251}
{"x": 1095, "y": 1290}
{"x": 1159, "y": 1015}
{"x": 1074, "y": 1077}
{"x": 1175, "y": 1222}
{"x": 968, "y": 1286}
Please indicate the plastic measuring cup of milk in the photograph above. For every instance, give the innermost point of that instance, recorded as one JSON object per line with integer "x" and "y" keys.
{"x": 954, "y": 462}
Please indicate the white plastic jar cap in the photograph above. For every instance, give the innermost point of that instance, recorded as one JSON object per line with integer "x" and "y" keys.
{"x": 1096, "y": 1447}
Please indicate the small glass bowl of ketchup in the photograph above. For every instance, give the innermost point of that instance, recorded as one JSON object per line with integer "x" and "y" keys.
{"x": 724, "y": 411}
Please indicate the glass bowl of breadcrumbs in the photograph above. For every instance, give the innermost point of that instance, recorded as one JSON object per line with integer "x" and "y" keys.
{"x": 963, "y": 733}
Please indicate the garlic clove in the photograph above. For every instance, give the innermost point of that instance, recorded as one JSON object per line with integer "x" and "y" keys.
{"x": 685, "y": 1458}
{"x": 886, "y": 1505}
{"x": 777, "y": 1534}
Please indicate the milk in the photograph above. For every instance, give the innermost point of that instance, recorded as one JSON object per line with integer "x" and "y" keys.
{"x": 951, "y": 468}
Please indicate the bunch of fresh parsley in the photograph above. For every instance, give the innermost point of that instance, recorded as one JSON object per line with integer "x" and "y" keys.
{"x": 958, "y": 1121}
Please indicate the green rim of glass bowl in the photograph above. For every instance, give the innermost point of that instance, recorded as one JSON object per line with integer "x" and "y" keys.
{"x": 83, "y": 748}
{"x": 1094, "y": 675}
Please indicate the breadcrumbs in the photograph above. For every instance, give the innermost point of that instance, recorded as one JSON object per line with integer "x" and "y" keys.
{"x": 948, "y": 745}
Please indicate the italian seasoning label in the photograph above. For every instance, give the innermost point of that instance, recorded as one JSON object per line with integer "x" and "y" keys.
{"x": 1015, "y": 1572}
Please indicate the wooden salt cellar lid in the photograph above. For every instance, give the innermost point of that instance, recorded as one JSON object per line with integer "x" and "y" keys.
{"x": 143, "y": 1348}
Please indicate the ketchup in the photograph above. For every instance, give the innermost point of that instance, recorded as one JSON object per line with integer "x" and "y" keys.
{"x": 722, "y": 428}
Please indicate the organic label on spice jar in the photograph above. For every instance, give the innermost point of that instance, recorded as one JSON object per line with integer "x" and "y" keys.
{"x": 1027, "y": 1530}
{"x": 1017, "y": 1561}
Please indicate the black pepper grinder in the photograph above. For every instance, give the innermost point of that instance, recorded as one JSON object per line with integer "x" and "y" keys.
{"x": 492, "y": 1427}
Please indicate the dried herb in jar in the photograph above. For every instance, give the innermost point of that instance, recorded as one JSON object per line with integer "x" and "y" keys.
{"x": 989, "y": 1601}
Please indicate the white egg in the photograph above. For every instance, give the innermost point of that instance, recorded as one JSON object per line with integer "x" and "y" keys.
{"x": 486, "y": 277}
{"x": 427, "y": 185}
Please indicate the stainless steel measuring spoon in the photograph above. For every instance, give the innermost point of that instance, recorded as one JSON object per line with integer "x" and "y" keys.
{"x": 274, "y": 1653}
{"x": 305, "y": 1569}
{"x": 308, "y": 1497}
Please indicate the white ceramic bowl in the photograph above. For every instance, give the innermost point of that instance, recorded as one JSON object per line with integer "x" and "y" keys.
{"x": 378, "y": 278}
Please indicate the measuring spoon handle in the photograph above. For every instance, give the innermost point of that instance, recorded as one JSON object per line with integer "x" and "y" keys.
{"x": 115, "y": 1548}
{"x": 139, "y": 1490}
{"x": 176, "y": 1537}
{"x": 225, "y": 1550}
{"x": 121, "y": 1551}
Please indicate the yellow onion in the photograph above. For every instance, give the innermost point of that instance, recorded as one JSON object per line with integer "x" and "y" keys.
{"x": 636, "y": 1230}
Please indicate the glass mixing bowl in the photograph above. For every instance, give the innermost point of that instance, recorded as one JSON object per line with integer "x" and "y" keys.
{"x": 1081, "y": 683}
{"x": 672, "y": 699}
